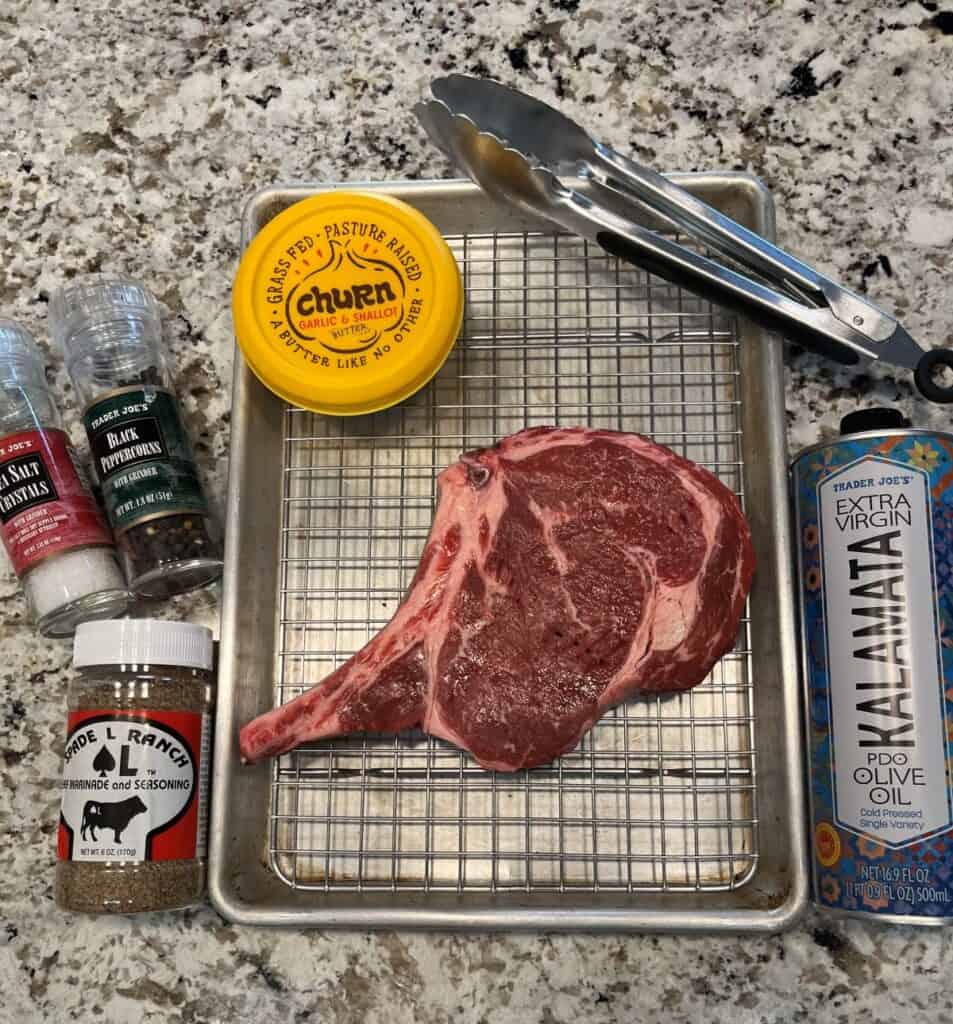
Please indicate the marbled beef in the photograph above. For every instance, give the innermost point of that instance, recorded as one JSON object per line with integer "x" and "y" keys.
{"x": 566, "y": 570}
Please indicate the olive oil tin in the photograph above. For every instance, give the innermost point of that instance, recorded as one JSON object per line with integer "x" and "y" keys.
{"x": 874, "y": 516}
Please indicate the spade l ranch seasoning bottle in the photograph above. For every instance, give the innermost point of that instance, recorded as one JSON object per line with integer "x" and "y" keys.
{"x": 132, "y": 829}
{"x": 111, "y": 334}
{"x": 52, "y": 530}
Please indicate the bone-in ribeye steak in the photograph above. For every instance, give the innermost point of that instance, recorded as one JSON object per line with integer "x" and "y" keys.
{"x": 565, "y": 571}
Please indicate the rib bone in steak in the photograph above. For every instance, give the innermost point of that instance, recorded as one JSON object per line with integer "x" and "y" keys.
{"x": 565, "y": 571}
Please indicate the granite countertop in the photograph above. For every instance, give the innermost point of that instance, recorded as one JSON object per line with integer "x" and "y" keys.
{"x": 133, "y": 133}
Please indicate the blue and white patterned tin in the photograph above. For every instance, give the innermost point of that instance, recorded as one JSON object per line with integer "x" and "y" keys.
{"x": 874, "y": 515}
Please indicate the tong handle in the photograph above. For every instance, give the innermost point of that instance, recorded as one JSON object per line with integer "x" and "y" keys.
{"x": 767, "y": 313}
{"x": 813, "y": 328}
{"x": 719, "y": 232}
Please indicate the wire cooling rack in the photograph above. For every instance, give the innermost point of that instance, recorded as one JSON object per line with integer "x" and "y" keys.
{"x": 660, "y": 795}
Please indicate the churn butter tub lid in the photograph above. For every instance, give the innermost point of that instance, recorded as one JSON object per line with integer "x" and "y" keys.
{"x": 347, "y": 302}
{"x": 142, "y": 642}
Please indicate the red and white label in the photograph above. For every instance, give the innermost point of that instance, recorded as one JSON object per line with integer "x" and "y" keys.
{"x": 45, "y": 506}
{"x": 135, "y": 786}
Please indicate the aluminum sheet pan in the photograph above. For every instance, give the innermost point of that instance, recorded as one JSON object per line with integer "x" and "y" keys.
{"x": 677, "y": 813}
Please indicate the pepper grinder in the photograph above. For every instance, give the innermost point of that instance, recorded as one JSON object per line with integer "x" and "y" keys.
{"x": 111, "y": 334}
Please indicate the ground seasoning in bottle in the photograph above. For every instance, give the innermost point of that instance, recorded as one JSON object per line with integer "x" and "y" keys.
{"x": 133, "y": 818}
{"x": 53, "y": 532}
{"x": 111, "y": 334}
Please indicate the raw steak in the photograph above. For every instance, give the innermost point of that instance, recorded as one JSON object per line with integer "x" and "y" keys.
{"x": 565, "y": 571}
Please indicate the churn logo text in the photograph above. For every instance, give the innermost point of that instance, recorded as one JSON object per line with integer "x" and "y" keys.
{"x": 353, "y": 294}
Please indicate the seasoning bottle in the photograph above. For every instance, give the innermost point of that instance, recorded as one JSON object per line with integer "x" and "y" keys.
{"x": 132, "y": 830}
{"x": 53, "y": 532}
{"x": 111, "y": 334}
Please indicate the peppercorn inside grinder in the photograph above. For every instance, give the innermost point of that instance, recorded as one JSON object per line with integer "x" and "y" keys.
{"x": 110, "y": 331}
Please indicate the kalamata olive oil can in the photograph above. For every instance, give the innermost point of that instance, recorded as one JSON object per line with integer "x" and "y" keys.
{"x": 874, "y": 512}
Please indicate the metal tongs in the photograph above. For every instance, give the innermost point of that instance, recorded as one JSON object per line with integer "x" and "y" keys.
{"x": 515, "y": 147}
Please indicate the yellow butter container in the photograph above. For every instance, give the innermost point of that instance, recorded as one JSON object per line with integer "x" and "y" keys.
{"x": 347, "y": 303}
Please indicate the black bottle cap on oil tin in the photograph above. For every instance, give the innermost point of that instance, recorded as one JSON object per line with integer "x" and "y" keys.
{"x": 873, "y": 419}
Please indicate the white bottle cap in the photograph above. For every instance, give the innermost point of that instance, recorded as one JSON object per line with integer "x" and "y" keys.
{"x": 142, "y": 642}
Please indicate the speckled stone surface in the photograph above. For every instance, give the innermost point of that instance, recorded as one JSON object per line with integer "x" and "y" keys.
{"x": 133, "y": 133}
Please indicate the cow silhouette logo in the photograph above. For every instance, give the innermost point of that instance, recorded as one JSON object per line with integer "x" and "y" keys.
{"x": 115, "y": 816}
